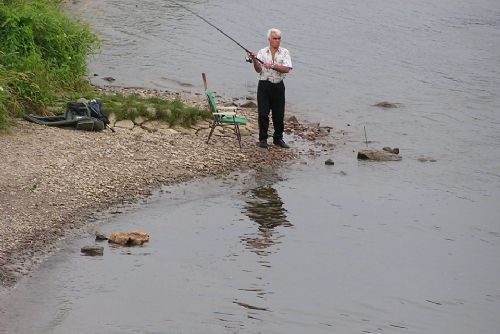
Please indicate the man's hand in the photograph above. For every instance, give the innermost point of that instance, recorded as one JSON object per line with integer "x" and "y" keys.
{"x": 255, "y": 61}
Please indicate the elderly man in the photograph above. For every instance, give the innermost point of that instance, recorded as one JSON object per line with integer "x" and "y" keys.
{"x": 274, "y": 63}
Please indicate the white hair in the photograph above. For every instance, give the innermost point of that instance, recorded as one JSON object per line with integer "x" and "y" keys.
{"x": 273, "y": 30}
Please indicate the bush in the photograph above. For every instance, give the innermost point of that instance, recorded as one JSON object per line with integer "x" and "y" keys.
{"x": 42, "y": 58}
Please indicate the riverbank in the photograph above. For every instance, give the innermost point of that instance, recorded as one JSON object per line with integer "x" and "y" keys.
{"x": 54, "y": 179}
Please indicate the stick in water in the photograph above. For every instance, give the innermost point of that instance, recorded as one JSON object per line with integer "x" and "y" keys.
{"x": 366, "y": 139}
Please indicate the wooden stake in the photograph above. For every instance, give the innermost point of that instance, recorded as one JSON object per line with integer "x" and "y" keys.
{"x": 366, "y": 139}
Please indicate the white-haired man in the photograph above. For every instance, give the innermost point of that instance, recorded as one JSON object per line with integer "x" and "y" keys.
{"x": 276, "y": 63}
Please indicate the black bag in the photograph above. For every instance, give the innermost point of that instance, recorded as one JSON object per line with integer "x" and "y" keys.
{"x": 89, "y": 108}
{"x": 76, "y": 110}
{"x": 95, "y": 106}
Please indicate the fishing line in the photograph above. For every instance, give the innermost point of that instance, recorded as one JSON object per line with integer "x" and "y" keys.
{"x": 218, "y": 29}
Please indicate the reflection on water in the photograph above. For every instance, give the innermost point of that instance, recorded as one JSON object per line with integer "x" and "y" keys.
{"x": 265, "y": 207}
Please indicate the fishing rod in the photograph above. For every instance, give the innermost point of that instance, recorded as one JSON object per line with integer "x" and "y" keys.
{"x": 220, "y": 30}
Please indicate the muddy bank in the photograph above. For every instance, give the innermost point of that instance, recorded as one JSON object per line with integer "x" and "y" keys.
{"x": 53, "y": 179}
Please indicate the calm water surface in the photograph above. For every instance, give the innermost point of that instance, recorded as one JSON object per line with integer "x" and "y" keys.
{"x": 360, "y": 247}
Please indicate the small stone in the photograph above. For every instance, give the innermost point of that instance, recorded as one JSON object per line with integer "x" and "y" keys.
{"x": 93, "y": 250}
{"x": 329, "y": 162}
{"x": 426, "y": 159}
{"x": 394, "y": 150}
{"x": 386, "y": 104}
{"x": 292, "y": 119}
{"x": 100, "y": 236}
{"x": 249, "y": 104}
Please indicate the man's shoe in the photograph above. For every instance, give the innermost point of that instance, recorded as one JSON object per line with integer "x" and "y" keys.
{"x": 263, "y": 144}
{"x": 280, "y": 143}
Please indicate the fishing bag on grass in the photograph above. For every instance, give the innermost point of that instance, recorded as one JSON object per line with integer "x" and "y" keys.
{"x": 88, "y": 114}
{"x": 81, "y": 115}
{"x": 89, "y": 108}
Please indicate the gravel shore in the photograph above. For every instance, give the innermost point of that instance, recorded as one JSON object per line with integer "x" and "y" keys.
{"x": 54, "y": 179}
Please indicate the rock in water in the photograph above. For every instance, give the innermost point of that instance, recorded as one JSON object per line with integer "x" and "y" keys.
{"x": 132, "y": 238}
{"x": 100, "y": 236}
{"x": 93, "y": 250}
{"x": 426, "y": 159}
{"x": 378, "y": 155}
{"x": 394, "y": 150}
{"x": 386, "y": 104}
{"x": 329, "y": 162}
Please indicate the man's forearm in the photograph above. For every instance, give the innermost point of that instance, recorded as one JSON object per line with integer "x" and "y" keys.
{"x": 257, "y": 66}
{"x": 281, "y": 68}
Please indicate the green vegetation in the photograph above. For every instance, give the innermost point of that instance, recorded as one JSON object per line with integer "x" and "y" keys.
{"x": 43, "y": 63}
{"x": 43, "y": 56}
{"x": 174, "y": 112}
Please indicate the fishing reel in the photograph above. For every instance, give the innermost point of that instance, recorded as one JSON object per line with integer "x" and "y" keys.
{"x": 248, "y": 60}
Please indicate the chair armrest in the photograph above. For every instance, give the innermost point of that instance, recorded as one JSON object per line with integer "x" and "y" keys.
{"x": 227, "y": 113}
{"x": 227, "y": 108}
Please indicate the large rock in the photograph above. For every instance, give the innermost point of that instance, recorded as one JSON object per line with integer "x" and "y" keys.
{"x": 132, "y": 238}
{"x": 125, "y": 124}
{"x": 378, "y": 155}
{"x": 139, "y": 120}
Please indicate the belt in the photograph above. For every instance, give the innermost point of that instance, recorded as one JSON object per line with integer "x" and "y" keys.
{"x": 274, "y": 83}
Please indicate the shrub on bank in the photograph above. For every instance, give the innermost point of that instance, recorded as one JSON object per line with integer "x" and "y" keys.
{"x": 42, "y": 58}
{"x": 43, "y": 63}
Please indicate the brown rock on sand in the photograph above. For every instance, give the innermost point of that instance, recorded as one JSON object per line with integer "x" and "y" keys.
{"x": 132, "y": 238}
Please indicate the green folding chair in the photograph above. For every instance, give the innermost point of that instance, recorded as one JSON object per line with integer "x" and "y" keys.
{"x": 223, "y": 116}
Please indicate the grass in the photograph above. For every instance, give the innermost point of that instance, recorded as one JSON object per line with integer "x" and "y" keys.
{"x": 174, "y": 112}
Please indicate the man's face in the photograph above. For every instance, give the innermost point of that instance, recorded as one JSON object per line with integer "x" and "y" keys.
{"x": 274, "y": 40}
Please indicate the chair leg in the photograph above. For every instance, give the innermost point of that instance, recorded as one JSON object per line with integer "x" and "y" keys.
{"x": 214, "y": 124}
{"x": 237, "y": 132}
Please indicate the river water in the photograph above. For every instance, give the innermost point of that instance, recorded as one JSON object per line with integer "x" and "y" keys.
{"x": 358, "y": 247}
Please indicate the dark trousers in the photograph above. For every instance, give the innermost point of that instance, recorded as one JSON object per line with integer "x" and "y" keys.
{"x": 271, "y": 96}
